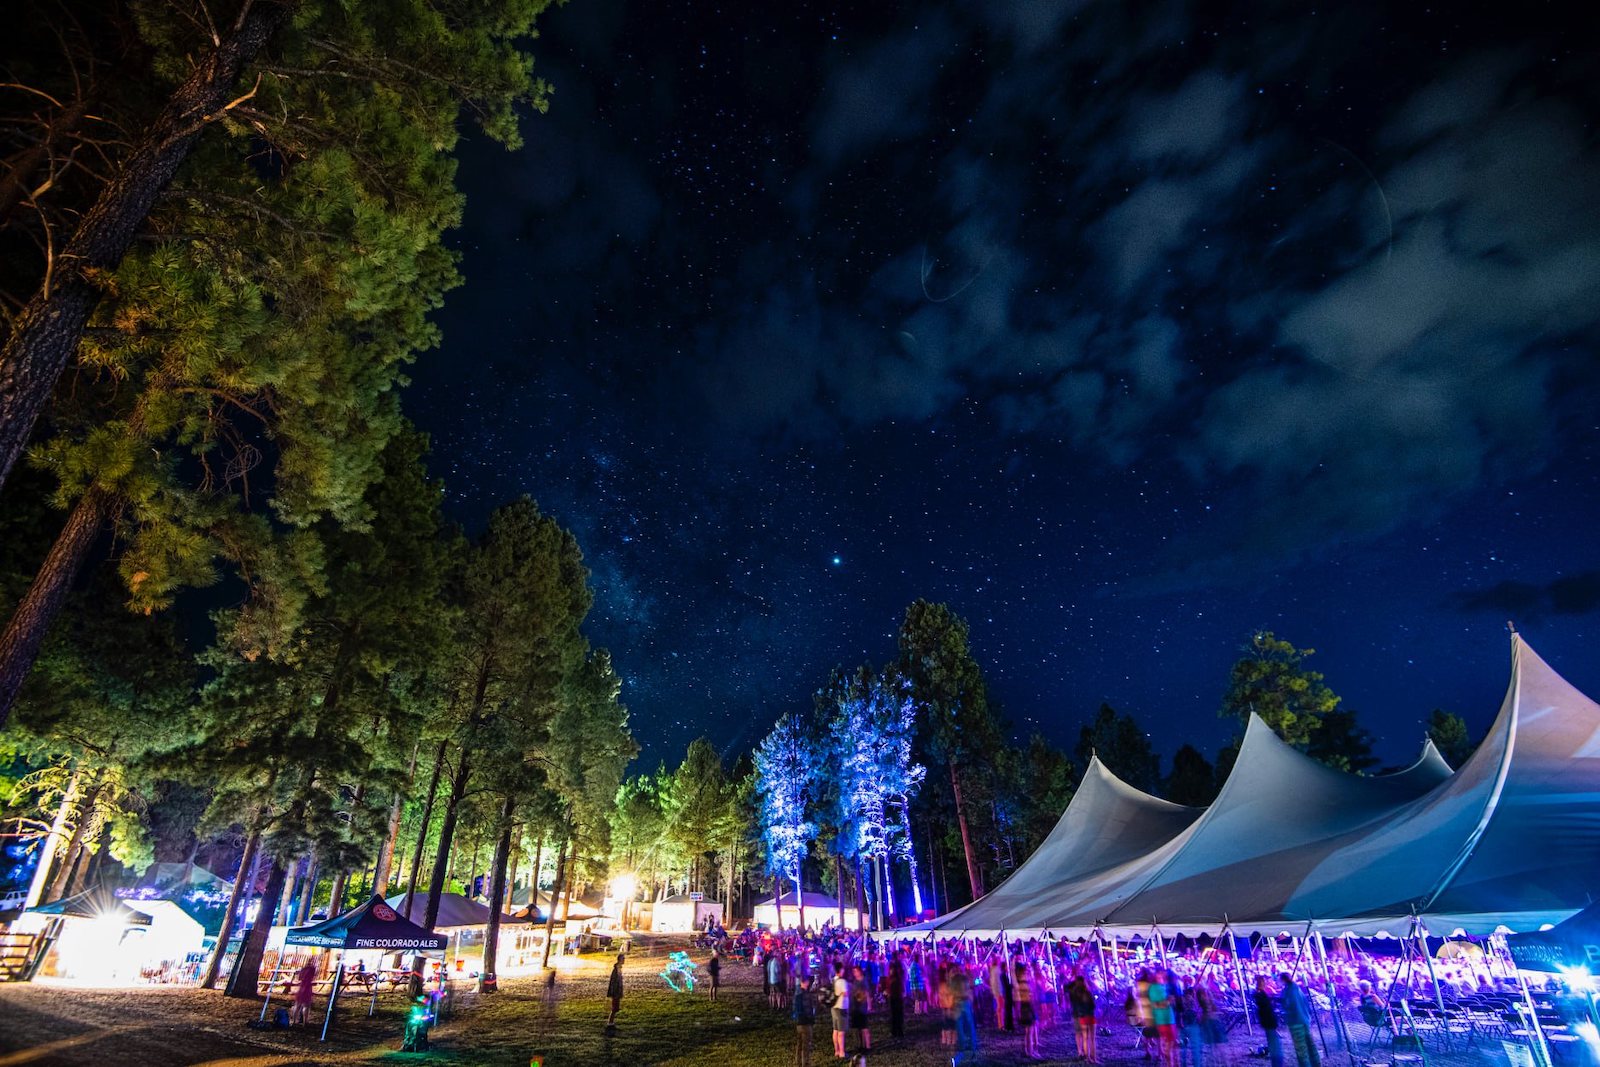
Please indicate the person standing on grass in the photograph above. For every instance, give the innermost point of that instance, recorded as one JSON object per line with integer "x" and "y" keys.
{"x": 1027, "y": 1016}
{"x": 860, "y": 1008}
{"x": 897, "y": 995}
{"x": 714, "y": 969}
{"x": 804, "y": 1014}
{"x": 1297, "y": 1016}
{"x": 841, "y": 1010}
{"x": 614, "y": 990}
{"x": 305, "y": 984}
{"x": 1081, "y": 999}
{"x": 1267, "y": 1016}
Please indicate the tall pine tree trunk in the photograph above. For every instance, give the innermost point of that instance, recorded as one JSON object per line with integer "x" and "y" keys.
{"x": 974, "y": 876}
{"x": 229, "y": 920}
{"x": 555, "y": 895}
{"x": 74, "y": 852}
{"x": 308, "y": 890}
{"x": 385, "y": 865}
{"x": 25, "y": 632}
{"x": 46, "y": 332}
{"x": 341, "y": 879}
{"x": 286, "y": 902}
{"x": 422, "y": 831}
{"x": 447, "y": 833}
{"x": 497, "y": 893}
{"x": 246, "y": 976}
{"x": 777, "y": 898}
{"x": 90, "y": 873}
{"x": 838, "y": 885}
{"x": 515, "y": 866}
{"x": 533, "y": 885}
{"x": 861, "y": 898}
{"x": 52, "y": 841}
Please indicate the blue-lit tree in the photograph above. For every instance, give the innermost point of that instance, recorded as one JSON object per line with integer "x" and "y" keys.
{"x": 785, "y": 764}
{"x": 869, "y": 726}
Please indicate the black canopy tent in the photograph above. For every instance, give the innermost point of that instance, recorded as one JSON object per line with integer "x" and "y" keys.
{"x": 373, "y": 926}
{"x": 1568, "y": 948}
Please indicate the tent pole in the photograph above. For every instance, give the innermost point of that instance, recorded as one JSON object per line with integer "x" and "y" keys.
{"x": 1339, "y": 1032}
{"x": 272, "y": 980}
{"x": 1438, "y": 993}
{"x": 1333, "y": 1005}
{"x": 1541, "y": 1045}
{"x": 1238, "y": 974}
{"x": 333, "y": 997}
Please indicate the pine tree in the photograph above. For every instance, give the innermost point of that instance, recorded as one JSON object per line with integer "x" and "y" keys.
{"x": 785, "y": 769}
{"x": 1270, "y": 680}
{"x": 256, "y": 336}
{"x": 1450, "y": 736}
{"x": 957, "y": 724}
{"x": 1122, "y": 746}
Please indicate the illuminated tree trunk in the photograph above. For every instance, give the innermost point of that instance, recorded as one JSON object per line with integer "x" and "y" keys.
{"x": 246, "y": 976}
{"x": 447, "y": 831}
{"x": 286, "y": 902}
{"x": 46, "y": 332}
{"x": 777, "y": 898}
{"x": 974, "y": 876}
{"x": 235, "y": 900}
{"x": 515, "y": 865}
{"x": 30, "y": 621}
{"x": 555, "y": 895}
{"x": 799, "y": 896}
{"x": 341, "y": 879}
{"x": 74, "y": 852}
{"x": 497, "y": 893}
{"x": 861, "y": 898}
{"x": 533, "y": 884}
{"x": 422, "y": 831}
{"x": 838, "y": 885}
{"x": 911, "y": 859}
{"x": 308, "y": 891}
{"x": 52, "y": 842}
{"x": 385, "y": 866}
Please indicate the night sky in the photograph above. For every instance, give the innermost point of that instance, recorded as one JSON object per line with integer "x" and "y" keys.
{"x": 1126, "y": 329}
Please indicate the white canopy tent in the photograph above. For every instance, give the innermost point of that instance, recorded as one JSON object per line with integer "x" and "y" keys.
{"x": 1512, "y": 838}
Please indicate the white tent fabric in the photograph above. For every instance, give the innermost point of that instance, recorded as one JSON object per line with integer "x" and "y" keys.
{"x": 1107, "y": 822}
{"x": 1513, "y": 839}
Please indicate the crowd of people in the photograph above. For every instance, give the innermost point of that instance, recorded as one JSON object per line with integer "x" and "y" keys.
{"x": 1176, "y": 1006}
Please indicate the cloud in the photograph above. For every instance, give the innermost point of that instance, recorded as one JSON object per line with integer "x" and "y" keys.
{"x": 1575, "y": 594}
{"x": 882, "y": 94}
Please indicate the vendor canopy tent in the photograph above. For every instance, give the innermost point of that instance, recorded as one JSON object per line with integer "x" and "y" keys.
{"x": 373, "y": 925}
{"x": 97, "y": 903}
{"x": 1513, "y": 838}
{"x": 820, "y": 909}
{"x": 1573, "y": 945}
{"x": 454, "y": 909}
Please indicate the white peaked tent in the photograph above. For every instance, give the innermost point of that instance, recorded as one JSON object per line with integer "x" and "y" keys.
{"x": 1512, "y": 838}
{"x": 1107, "y": 823}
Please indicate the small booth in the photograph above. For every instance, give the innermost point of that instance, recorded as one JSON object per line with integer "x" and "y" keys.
{"x": 820, "y": 909}
{"x": 683, "y": 913}
{"x": 93, "y": 937}
{"x": 370, "y": 932}
{"x": 466, "y": 923}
